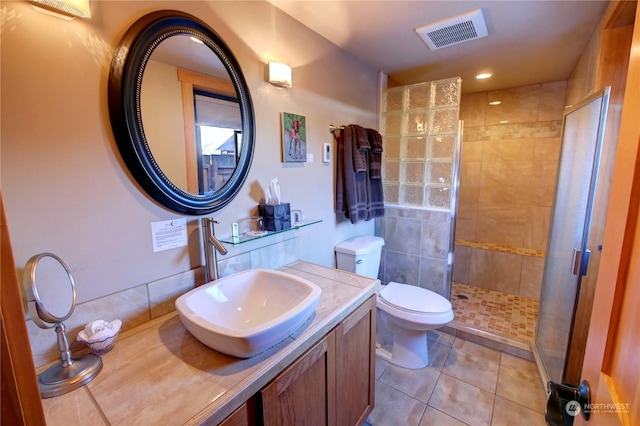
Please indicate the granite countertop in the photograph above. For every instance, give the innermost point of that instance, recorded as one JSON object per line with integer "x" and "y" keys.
{"x": 160, "y": 374}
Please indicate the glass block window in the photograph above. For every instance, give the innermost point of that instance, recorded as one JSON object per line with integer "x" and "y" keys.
{"x": 440, "y": 146}
{"x": 393, "y": 99}
{"x": 417, "y": 95}
{"x": 391, "y": 171}
{"x": 411, "y": 195}
{"x": 391, "y": 192}
{"x": 419, "y": 129}
{"x": 413, "y": 172}
{"x": 415, "y": 148}
{"x": 392, "y": 147}
{"x": 392, "y": 123}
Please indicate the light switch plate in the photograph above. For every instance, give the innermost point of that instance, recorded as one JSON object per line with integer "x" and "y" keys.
{"x": 309, "y": 158}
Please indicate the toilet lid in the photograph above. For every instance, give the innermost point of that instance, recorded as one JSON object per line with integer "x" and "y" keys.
{"x": 414, "y": 298}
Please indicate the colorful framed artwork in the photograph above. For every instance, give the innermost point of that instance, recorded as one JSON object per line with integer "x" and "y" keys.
{"x": 294, "y": 138}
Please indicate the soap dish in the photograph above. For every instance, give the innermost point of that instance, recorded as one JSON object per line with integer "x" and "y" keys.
{"x": 102, "y": 346}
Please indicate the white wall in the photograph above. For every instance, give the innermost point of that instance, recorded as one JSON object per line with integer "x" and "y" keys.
{"x": 64, "y": 184}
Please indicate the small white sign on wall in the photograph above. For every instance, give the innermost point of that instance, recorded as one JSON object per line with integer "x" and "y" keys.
{"x": 169, "y": 234}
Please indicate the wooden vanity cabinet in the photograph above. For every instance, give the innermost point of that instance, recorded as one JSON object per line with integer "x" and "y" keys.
{"x": 356, "y": 365}
{"x": 245, "y": 415}
{"x": 305, "y": 392}
{"x": 333, "y": 382}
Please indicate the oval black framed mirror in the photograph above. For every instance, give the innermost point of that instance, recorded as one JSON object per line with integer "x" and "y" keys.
{"x": 181, "y": 112}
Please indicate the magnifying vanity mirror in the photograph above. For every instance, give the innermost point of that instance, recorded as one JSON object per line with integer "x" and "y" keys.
{"x": 51, "y": 299}
{"x": 181, "y": 112}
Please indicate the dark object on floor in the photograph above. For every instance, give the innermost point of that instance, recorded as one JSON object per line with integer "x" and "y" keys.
{"x": 462, "y": 296}
{"x": 565, "y": 402}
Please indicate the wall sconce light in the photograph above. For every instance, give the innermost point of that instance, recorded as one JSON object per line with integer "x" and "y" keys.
{"x": 280, "y": 74}
{"x": 67, "y": 9}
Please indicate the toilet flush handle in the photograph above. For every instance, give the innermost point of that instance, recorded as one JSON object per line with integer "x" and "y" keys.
{"x": 359, "y": 261}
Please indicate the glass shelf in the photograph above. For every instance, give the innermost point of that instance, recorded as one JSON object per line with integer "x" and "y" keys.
{"x": 245, "y": 239}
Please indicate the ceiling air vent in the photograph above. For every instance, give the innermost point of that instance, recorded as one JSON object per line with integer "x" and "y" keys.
{"x": 458, "y": 29}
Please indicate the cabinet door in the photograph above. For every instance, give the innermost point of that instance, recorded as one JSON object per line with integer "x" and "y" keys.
{"x": 303, "y": 394}
{"x": 245, "y": 415}
{"x": 355, "y": 364}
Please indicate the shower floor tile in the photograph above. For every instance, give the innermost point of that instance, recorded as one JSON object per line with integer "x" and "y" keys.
{"x": 503, "y": 314}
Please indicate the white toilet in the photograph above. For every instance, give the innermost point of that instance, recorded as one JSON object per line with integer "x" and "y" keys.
{"x": 405, "y": 311}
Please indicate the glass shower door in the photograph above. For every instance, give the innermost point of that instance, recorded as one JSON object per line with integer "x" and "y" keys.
{"x": 567, "y": 254}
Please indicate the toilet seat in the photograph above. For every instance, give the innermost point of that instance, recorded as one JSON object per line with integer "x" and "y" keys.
{"x": 412, "y": 298}
{"x": 415, "y": 304}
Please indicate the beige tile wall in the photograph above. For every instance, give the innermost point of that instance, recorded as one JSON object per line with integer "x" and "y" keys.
{"x": 507, "y": 181}
{"x": 416, "y": 246}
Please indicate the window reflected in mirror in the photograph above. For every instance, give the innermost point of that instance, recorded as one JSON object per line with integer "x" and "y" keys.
{"x": 219, "y": 132}
{"x": 192, "y": 119}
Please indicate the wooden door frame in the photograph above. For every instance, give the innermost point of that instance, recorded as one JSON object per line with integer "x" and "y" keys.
{"x": 615, "y": 34}
{"x": 21, "y": 403}
{"x": 189, "y": 81}
{"x": 620, "y": 232}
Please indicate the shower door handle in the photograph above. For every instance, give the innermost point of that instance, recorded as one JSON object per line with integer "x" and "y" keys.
{"x": 580, "y": 262}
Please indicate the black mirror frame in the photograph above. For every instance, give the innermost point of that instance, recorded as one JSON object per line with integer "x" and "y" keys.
{"x": 125, "y": 80}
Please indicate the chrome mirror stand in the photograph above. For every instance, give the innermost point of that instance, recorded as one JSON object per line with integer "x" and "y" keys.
{"x": 69, "y": 373}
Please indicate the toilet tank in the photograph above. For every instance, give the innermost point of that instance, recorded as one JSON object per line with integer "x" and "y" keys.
{"x": 360, "y": 255}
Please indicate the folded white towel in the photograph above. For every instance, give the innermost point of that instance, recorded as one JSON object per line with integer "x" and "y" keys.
{"x": 99, "y": 330}
{"x": 95, "y": 326}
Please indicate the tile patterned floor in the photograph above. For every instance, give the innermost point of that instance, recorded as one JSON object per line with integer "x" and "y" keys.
{"x": 514, "y": 317}
{"x": 465, "y": 384}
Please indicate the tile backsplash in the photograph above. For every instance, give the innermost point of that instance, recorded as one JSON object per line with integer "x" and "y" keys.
{"x": 148, "y": 301}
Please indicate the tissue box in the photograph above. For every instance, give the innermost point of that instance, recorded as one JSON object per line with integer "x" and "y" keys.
{"x": 276, "y": 217}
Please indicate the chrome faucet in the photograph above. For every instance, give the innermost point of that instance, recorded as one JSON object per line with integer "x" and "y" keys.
{"x": 211, "y": 246}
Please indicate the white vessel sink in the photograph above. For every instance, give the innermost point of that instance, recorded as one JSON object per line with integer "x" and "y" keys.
{"x": 248, "y": 312}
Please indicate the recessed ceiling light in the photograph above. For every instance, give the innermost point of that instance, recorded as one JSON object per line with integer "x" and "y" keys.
{"x": 504, "y": 121}
{"x": 483, "y": 76}
{"x": 495, "y": 103}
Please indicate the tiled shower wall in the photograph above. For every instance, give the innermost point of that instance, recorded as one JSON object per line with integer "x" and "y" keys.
{"x": 416, "y": 245}
{"x": 508, "y": 173}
